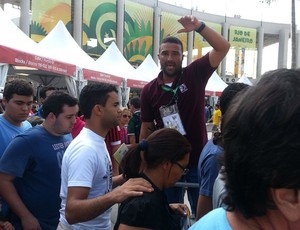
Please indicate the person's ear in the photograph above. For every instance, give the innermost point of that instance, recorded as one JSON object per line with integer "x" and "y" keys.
{"x": 51, "y": 117}
{"x": 166, "y": 166}
{"x": 98, "y": 109}
{"x": 4, "y": 101}
{"x": 288, "y": 202}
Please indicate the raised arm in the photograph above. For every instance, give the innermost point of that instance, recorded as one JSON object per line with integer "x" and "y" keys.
{"x": 219, "y": 44}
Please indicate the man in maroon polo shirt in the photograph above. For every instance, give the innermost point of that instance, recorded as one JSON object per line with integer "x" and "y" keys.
{"x": 176, "y": 97}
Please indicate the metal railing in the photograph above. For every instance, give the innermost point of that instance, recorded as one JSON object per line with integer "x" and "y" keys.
{"x": 187, "y": 185}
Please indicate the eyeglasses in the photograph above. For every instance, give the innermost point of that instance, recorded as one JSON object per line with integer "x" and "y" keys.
{"x": 185, "y": 170}
{"x": 125, "y": 116}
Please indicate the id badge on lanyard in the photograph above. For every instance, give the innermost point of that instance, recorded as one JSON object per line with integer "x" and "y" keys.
{"x": 170, "y": 113}
{"x": 171, "y": 118}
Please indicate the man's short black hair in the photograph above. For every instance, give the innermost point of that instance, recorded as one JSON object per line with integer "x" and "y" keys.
{"x": 17, "y": 86}
{"x": 174, "y": 40}
{"x": 135, "y": 102}
{"x": 56, "y": 101}
{"x": 44, "y": 90}
{"x": 229, "y": 93}
{"x": 93, "y": 94}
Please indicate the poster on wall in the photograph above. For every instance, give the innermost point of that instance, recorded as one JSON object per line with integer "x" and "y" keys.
{"x": 170, "y": 26}
{"x": 99, "y": 25}
{"x": 200, "y": 42}
{"x": 138, "y": 32}
{"x": 46, "y": 14}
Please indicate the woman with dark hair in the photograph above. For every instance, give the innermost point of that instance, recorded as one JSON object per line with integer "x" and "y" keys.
{"x": 164, "y": 156}
{"x": 261, "y": 138}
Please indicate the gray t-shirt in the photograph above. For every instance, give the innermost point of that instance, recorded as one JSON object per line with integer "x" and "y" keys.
{"x": 218, "y": 192}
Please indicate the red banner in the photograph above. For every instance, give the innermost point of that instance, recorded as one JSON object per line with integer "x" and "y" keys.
{"x": 211, "y": 93}
{"x": 136, "y": 83}
{"x": 20, "y": 58}
{"x": 93, "y": 75}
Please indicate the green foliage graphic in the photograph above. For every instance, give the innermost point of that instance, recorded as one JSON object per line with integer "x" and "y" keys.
{"x": 38, "y": 29}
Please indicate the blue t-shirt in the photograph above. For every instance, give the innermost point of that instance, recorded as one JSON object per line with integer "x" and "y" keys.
{"x": 214, "y": 220}
{"x": 8, "y": 131}
{"x": 208, "y": 168}
{"x": 35, "y": 157}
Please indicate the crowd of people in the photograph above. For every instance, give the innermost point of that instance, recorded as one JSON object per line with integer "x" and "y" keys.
{"x": 58, "y": 169}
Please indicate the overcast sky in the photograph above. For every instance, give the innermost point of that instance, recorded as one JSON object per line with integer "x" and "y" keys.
{"x": 279, "y": 11}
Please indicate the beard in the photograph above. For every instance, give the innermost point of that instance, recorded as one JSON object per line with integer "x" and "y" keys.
{"x": 171, "y": 73}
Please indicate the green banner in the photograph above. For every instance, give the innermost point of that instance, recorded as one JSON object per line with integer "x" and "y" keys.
{"x": 170, "y": 26}
{"x": 138, "y": 32}
{"x": 99, "y": 25}
{"x": 46, "y": 14}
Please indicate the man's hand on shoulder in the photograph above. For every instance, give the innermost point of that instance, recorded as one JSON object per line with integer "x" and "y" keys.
{"x": 132, "y": 187}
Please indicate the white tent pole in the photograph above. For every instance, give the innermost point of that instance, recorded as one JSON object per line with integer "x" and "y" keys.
{"x": 123, "y": 88}
{"x": 71, "y": 86}
{"x": 3, "y": 73}
{"x": 25, "y": 16}
{"x": 78, "y": 22}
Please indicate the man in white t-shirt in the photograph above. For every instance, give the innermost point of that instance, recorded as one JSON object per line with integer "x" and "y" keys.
{"x": 87, "y": 182}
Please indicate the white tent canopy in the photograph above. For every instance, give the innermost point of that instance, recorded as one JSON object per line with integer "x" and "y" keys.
{"x": 113, "y": 62}
{"x": 59, "y": 44}
{"x": 244, "y": 79}
{"x": 148, "y": 70}
{"x": 12, "y": 37}
{"x": 109, "y": 68}
{"x": 18, "y": 49}
{"x": 215, "y": 83}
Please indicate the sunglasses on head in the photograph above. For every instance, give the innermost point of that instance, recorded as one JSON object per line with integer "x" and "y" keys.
{"x": 125, "y": 116}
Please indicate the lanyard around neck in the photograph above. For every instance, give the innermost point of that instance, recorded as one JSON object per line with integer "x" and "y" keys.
{"x": 169, "y": 89}
{"x": 174, "y": 91}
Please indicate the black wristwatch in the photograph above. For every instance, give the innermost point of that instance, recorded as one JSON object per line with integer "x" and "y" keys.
{"x": 199, "y": 30}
